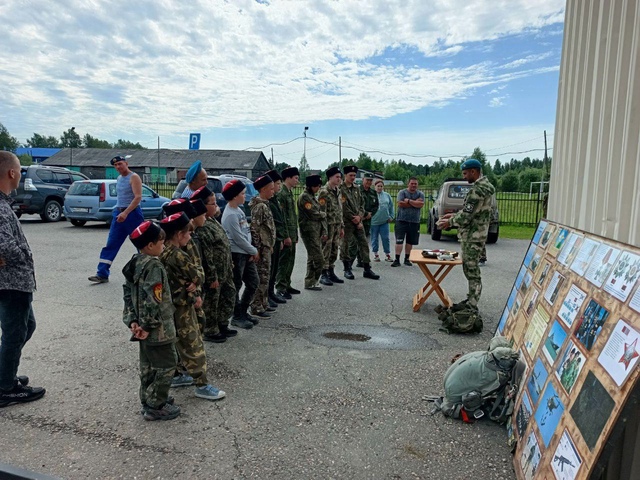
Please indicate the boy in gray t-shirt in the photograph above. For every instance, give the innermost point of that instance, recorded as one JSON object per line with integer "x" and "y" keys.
{"x": 410, "y": 202}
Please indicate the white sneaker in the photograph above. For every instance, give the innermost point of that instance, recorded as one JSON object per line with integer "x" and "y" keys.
{"x": 376, "y": 257}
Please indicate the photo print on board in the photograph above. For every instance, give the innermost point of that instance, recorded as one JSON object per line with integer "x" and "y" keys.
{"x": 621, "y": 352}
{"x": 548, "y": 413}
{"x": 536, "y": 380}
{"x": 590, "y": 324}
{"x": 566, "y": 459}
{"x": 570, "y": 366}
{"x": 592, "y": 409}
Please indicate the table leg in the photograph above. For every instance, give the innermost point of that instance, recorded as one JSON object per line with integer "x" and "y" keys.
{"x": 432, "y": 285}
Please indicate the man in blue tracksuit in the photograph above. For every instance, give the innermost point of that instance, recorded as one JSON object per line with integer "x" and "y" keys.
{"x": 127, "y": 215}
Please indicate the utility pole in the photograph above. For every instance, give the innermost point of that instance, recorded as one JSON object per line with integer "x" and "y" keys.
{"x": 71, "y": 131}
{"x": 340, "y": 152}
{"x": 273, "y": 165}
{"x": 158, "y": 177}
{"x": 305, "y": 142}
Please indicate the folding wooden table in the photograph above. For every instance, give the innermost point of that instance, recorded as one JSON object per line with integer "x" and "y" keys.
{"x": 433, "y": 279}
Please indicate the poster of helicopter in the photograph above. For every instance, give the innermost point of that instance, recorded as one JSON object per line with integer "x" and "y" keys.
{"x": 574, "y": 314}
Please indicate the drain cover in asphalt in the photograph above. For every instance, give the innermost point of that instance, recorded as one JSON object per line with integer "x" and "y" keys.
{"x": 368, "y": 337}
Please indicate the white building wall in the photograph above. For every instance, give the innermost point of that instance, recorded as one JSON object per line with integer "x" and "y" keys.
{"x": 595, "y": 176}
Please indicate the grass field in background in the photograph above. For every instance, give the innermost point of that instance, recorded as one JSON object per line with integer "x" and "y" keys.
{"x": 517, "y": 232}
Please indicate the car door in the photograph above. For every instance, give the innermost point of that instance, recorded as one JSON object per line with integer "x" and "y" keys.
{"x": 150, "y": 204}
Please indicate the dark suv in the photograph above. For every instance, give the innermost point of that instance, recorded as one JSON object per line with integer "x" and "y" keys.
{"x": 215, "y": 184}
{"x": 42, "y": 189}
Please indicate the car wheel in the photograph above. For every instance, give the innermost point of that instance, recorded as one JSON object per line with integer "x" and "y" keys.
{"x": 492, "y": 237}
{"x": 78, "y": 223}
{"x": 52, "y": 211}
{"x": 436, "y": 233}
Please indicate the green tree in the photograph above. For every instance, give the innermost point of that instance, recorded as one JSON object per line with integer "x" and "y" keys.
{"x": 7, "y": 142}
{"x": 526, "y": 177}
{"x": 41, "y": 141}
{"x": 365, "y": 162}
{"x": 124, "y": 144}
{"x": 25, "y": 159}
{"x": 91, "y": 142}
{"x": 279, "y": 166}
{"x": 395, "y": 171}
{"x": 70, "y": 139}
{"x": 509, "y": 182}
{"x": 304, "y": 168}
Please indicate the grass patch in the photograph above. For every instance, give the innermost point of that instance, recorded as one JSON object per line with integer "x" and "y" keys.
{"x": 518, "y": 232}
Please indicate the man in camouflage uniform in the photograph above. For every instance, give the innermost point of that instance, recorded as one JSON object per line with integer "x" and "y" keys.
{"x": 281, "y": 234}
{"x": 353, "y": 214}
{"x": 313, "y": 230}
{"x": 219, "y": 290}
{"x": 329, "y": 201}
{"x": 263, "y": 237}
{"x": 148, "y": 313}
{"x": 472, "y": 223}
{"x": 290, "y": 178}
{"x": 370, "y": 202}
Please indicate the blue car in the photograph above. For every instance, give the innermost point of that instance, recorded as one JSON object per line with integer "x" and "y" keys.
{"x": 94, "y": 200}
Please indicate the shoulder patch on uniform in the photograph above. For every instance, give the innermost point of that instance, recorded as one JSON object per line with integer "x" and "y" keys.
{"x": 468, "y": 208}
{"x": 322, "y": 201}
{"x": 308, "y": 205}
{"x": 157, "y": 292}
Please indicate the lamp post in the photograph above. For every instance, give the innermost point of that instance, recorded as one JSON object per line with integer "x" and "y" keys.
{"x": 71, "y": 132}
{"x": 305, "y": 142}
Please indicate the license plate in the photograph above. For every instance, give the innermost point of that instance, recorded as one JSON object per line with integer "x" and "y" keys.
{"x": 78, "y": 209}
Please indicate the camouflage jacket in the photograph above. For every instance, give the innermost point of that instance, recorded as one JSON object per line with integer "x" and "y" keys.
{"x": 288, "y": 206}
{"x": 330, "y": 204}
{"x": 181, "y": 271}
{"x": 278, "y": 219}
{"x": 263, "y": 230}
{"x": 312, "y": 219}
{"x": 370, "y": 201}
{"x": 351, "y": 201}
{"x": 473, "y": 220}
{"x": 147, "y": 299}
{"x": 216, "y": 252}
{"x": 194, "y": 250}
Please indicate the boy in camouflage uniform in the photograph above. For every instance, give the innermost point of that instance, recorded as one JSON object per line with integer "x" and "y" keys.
{"x": 472, "y": 223}
{"x": 329, "y": 201}
{"x": 281, "y": 234}
{"x": 219, "y": 290}
{"x": 313, "y": 230}
{"x": 148, "y": 312}
{"x": 263, "y": 237}
{"x": 353, "y": 215}
{"x": 290, "y": 176}
{"x": 184, "y": 280}
{"x": 370, "y": 205}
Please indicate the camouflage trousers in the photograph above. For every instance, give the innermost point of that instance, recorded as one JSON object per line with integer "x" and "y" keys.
{"x": 471, "y": 252}
{"x": 260, "y": 300}
{"x": 354, "y": 251}
{"x": 358, "y": 235}
{"x": 190, "y": 345}
{"x": 330, "y": 249}
{"x": 315, "y": 258}
{"x": 157, "y": 366}
{"x": 285, "y": 269}
{"x": 218, "y": 305}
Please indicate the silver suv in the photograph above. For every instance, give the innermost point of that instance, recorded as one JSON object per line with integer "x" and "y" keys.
{"x": 450, "y": 199}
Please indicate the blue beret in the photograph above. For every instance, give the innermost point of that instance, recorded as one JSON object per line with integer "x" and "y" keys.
{"x": 193, "y": 171}
{"x": 471, "y": 163}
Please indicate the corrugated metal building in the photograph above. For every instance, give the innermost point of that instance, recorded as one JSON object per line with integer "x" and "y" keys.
{"x": 595, "y": 176}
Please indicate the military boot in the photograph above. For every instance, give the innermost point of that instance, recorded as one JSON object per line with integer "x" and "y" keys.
{"x": 324, "y": 279}
{"x": 347, "y": 270}
{"x": 368, "y": 273}
{"x": 333, "y": 277}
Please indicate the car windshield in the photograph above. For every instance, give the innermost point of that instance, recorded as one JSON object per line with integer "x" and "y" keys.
{"x": 214, "y": 185}
{"x": 84, "y": 189}
{"x": 251, "y": 190}
{"x": 458, "y": 191}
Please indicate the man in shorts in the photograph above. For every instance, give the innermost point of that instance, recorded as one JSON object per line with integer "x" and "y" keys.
{"x": 410, "y": 202}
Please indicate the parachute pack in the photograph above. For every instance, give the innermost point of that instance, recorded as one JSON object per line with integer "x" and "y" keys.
{"x": 482, "y": 383}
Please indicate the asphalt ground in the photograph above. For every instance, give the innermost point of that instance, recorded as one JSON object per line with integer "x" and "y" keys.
{"x": 298, "y": 405}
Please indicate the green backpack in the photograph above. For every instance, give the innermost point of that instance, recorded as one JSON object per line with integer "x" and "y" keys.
{"x": 460, "y": 318}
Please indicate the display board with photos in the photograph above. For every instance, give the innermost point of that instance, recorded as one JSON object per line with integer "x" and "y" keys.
{"x": 574, "y": 315}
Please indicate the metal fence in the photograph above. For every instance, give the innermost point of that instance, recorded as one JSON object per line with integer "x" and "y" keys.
{"x": 515, "y": 208}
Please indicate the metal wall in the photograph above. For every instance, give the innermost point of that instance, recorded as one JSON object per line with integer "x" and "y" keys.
{"x": 595, "y": 177}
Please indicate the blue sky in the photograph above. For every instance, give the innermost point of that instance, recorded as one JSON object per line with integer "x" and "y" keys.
{"x": 392, "y": 78}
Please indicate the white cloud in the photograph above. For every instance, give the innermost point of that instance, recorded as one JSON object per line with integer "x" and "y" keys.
{"x": 498, "y": 101}
{"x": 168, "y": 67}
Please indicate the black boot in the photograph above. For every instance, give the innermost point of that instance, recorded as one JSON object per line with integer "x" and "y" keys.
{"x": 368, "y": 273}
{"x": 324, "y": 279}
{"x": 333, "y": 277}
{"x": 347, "y": 270}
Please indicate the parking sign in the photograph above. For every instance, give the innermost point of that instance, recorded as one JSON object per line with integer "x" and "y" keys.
{"x": 194, "y": 141}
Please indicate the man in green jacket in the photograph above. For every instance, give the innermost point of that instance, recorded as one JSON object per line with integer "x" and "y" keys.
{"x": 281, "y": 234}
{"x": 290, "y": 177}
{"x": 370, "y": 201}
